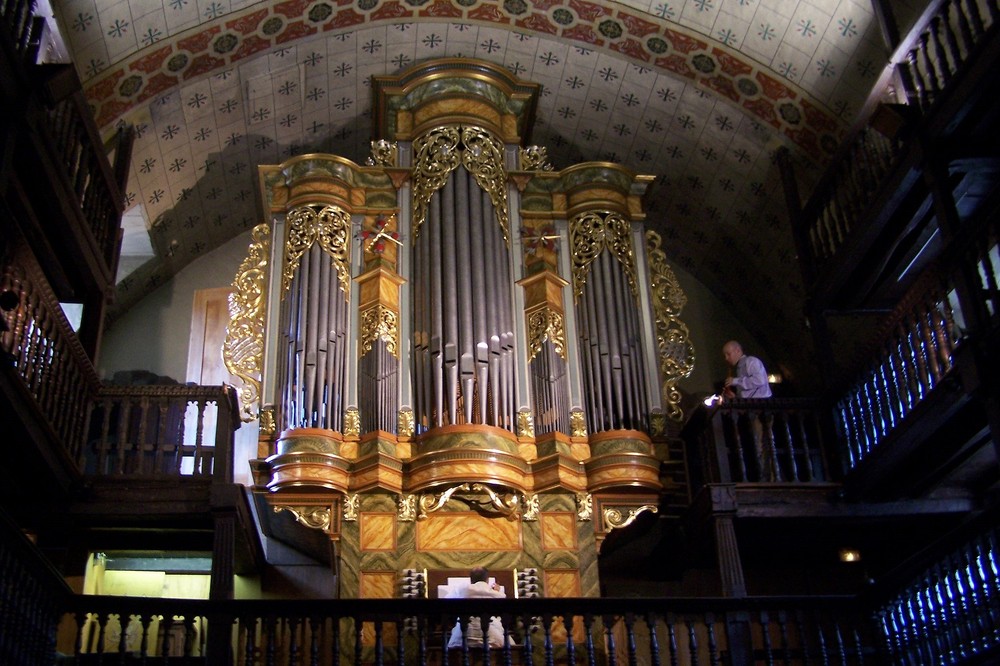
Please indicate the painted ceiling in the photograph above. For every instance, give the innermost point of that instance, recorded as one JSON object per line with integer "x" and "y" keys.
{"x": 700, "y": 93}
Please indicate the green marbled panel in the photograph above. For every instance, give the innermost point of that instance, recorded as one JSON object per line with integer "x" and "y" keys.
{"x": 482, "y": 440}
{"x": 557, "y": 502}
{"x": 380, "y": 444}
{"x": 313, "y": 444}
{"x": 590, "y": 582}
{"x": 349, "y": 560}
{"x": 619, "y": 445}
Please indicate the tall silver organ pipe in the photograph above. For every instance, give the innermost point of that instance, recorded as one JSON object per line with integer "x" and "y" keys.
{"x": 608, "y": 323}
{"x": 463, "y": 325}
{"x": 550, "y": 391}
{"x": 315, "y": 320}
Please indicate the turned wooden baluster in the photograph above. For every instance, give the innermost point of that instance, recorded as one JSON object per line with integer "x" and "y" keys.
{"x": 671, "y": 639}
{"x": 609, "y": 640}
{"x": 692, "y": 642}
{"x": 765, "y": 635}
{"x": 786, "y": 426}
{"x": 588, "y": 626}
{"x": 713, "y": 647}
{"x": 654, "y": 645}
{"x": 783, "y": 636}
{"x": 630, "y": 647}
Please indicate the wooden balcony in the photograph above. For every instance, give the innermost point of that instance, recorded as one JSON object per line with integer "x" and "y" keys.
{"x": 912, "y": 176}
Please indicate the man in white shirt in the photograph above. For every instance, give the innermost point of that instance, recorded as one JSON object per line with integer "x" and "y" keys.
{"x": 480, "y": 587}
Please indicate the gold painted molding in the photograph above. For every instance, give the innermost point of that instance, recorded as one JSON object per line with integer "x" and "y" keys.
{"x": 673, "y": 341}
{"x": 243, "y": 349}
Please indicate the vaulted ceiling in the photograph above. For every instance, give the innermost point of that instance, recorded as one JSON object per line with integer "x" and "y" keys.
{"x": 700, "y": 93}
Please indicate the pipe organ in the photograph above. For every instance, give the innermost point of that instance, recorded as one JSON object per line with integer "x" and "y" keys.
{"x": 457, "y": 354}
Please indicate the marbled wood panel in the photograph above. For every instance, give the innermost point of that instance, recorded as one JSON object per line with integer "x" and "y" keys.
{"x": 558, "y": 530}
{"x": 351, "y": 559}
{"x": 467, "y": 531}
{"x": 378, "y": 531}
{"x": 562, "y": 583}
{"x": 590, "y": 584}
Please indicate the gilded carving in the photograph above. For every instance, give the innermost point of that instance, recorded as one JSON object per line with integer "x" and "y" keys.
{"x": 615, "y": 518}
{"x": 379, "y": 323}
{"x": 384, "y": 154}
{"x": 531, "y": 504}
{"x": 439, "y": 152}
{"x": 677, "y": 354}
{"x": 584, "y": 506}
{"x": 352, "y": 422}
{"x": 525, "y": 424}
{"x": 407, "y": 508}
{"x": 268, "y": 426}
{"x": 330, "y": 226}
{"x": 577, "y": 423}
{"x": 545, "y": 324}
{"x": 243, "y": 349}
{"x": 590, "y": 234}
{"x": 405, "y": 422}
{"x": 313, "y": 517}
{"x": 658, "y": 424}
{"x": 534, "y": 158}
{"x": 507, "y": 504}
{"x": 351, "y": 503}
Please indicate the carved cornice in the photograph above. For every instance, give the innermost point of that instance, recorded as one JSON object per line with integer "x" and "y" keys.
{"x": 673, "y": 342}
{"x": 243, "y": 349}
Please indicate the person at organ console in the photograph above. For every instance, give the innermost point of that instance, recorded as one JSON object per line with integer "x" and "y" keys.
{"x": 480, "y": 587}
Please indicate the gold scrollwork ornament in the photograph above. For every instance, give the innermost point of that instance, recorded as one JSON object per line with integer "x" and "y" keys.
{"x": 577, "y": 423}
{"x": 590, "y": 234}
{"x": 525, "y": 423}
{"x": 439, "y": 152}
{"x": 352, "y": 422}
{"x": 545, "y": 324}
{"x": 673, "y": 342}
{"x": 616, "y": 519}
{"x": 405, "y": 423}
{"x": 534, "y": 158}
{"x": 379, "y": 323}
{"x": 584, "y": 506}
{"x": 243, "y": 349}
{"x": 313, "y": 517}
{"x": 330, "y": 226}
{"x": 384, "y": 154}
{"x": 351, "y": 503}
{"x": 407, "y": 508}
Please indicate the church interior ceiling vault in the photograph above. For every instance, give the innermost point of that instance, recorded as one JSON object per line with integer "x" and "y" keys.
{"x": 699, "y": 93}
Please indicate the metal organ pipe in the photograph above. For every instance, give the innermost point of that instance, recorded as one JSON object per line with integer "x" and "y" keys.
{"x": 462, "y": 276}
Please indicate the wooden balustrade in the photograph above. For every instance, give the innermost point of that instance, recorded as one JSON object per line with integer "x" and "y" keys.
{"x": 164, "y": 430}
{"x": 950, "y": 611}
{"x": 416, "y": 631}
{"x": 914, "y": 353}
{"x": 843, "y": 198}
{"x": 31, "y": 596}
{"x": 43, "y": 350}
{"x": 945, "y": 39}
{"x": 772, "y": 440}
{"x": 23, "y": 28}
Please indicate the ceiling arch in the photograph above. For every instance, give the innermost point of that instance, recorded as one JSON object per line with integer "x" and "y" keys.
{"x": 699, "y": 93}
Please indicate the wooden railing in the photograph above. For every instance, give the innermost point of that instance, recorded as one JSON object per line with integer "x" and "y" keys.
{"x": 80, "y": 153}
{"x": 32, "y": 594}
{"x": 771, "y": 440}
{"x": 944, "y": 41}
{"x": 914, "y": 354}
{"x": 163, "y": 430}
{"x": 416, "y": 631}
{"x": 949, "y": 610}
{"x": 43, "y": 350}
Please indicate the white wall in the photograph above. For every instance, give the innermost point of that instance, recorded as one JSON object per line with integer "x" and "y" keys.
{"x": 154, "y": 334}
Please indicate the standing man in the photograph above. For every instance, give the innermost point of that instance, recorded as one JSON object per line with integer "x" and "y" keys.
{"x": 749, "y": 377}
